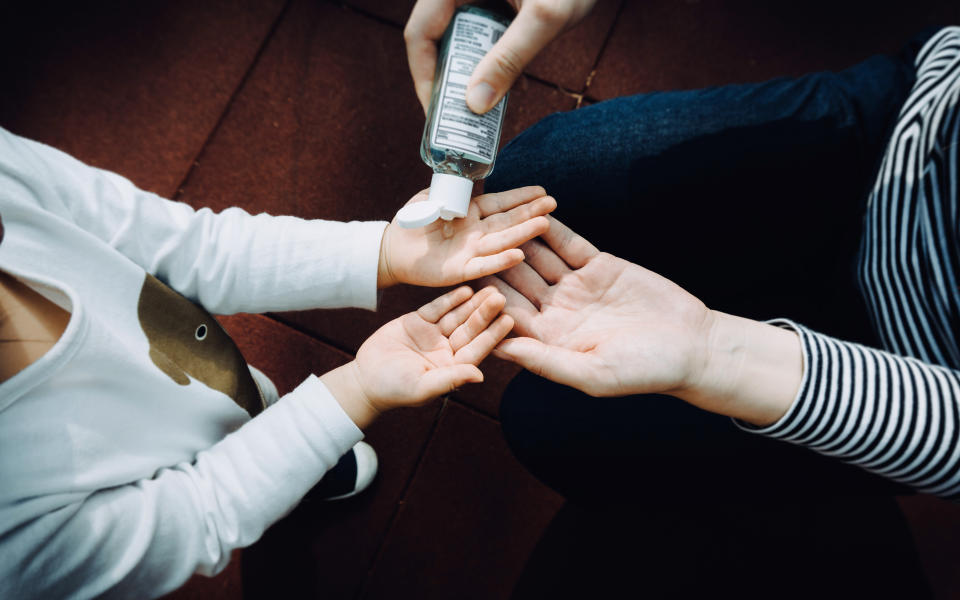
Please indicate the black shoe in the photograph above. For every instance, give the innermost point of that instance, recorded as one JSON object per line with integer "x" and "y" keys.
{"x": 352, "y": 474}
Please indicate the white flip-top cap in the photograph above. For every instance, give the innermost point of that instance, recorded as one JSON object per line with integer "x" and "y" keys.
{"x": 453, "y": 192}
{"x": 449, "y": 198}
{"x": 418, "y": 214}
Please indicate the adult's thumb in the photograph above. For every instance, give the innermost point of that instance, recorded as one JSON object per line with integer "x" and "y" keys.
{"x": 564, "y": 366}
{"x": 497, "y": 71}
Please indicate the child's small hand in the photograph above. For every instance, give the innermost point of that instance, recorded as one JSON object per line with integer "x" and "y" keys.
{"x": 422, "y": 354}
{"x": 482, "y": 243}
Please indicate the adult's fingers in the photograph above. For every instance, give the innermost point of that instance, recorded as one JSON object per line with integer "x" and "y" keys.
{"x": 544, "y": 261}
{"x": 526, "y": 281}
{"x": 453, "y": 319}
{"x": 533, "y": 29}
{"x": 478, "y": 321}
{"x": 428, "y": 20}
{"x": 498, "y": 202}
{"x": 561, "y": 365}
{"x": 443, "y": 380}
{"x": 480, "y": 346}
{"x": 517, "y": 306}
{"x": 434, "y": 310}
{"x": 573, "y": 249}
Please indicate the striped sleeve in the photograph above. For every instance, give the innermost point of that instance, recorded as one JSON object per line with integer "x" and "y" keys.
{"x": 894, "y": 416}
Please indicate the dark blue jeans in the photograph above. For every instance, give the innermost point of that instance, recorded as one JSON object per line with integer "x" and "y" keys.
{"x": 750, "y": 197}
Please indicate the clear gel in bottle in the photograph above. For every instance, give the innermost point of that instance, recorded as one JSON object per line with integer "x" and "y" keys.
{"x": 457, "y": 143}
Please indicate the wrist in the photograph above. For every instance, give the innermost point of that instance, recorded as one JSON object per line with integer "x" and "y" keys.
{"x": 344, "y": 384}
{"x": 750, "y": 370}
{"x": 385, "y": 277}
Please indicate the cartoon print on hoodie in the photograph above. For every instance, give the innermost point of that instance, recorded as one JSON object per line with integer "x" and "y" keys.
{"x": 185, "y": 340}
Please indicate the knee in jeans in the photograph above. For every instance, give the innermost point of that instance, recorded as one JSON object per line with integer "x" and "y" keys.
{"x": 507, "y": 170}
{"x": 517, "y": 416}
{"x": 510, "y": 417}
{"x": 518, "y": 156}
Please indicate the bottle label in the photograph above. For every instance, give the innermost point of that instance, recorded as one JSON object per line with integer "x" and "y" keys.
{"x": 457, "y": 127}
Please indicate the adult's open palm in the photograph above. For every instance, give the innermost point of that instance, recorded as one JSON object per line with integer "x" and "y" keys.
{"x": 598, "y": 323}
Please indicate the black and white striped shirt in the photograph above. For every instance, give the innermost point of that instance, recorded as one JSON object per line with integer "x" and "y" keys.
{"x": 897, "y": 413}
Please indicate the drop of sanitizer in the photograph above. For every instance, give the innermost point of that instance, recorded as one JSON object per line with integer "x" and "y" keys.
{"x": 447, "y": 230}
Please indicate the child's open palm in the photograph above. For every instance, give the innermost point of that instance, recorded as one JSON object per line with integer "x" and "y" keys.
{"x": 423, "y": 354}
{"x": 482, "y": 243}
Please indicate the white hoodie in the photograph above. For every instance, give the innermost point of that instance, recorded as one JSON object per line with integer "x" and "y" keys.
{"x": 121, "y": 471}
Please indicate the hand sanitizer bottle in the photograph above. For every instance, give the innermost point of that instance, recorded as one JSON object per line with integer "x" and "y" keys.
{"x": 458, "y": 144}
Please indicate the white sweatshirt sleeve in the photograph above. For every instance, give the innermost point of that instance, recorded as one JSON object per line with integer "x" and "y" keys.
{"x": 149, "y": 537}
{"x": 229, "y": 262}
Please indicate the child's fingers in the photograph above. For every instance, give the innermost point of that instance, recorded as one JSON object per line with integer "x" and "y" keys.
{"x": 419, "y": 196}
{"x": 453, "y": 319}
{"x": 481, "y": 266}
{"x": 480, "y": 346}
{"x": 443, "y": 380}
{"x": 478, "y": 320}
{"x": 519, "y": 214}
{"x": 512, "y": 237}
{"x": 433, "y": 311}
{"x": 490, "y": 204}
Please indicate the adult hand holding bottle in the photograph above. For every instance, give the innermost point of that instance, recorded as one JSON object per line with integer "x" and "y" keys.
{"x": 537, "y": 23}
{"x": 608, "y": 327}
